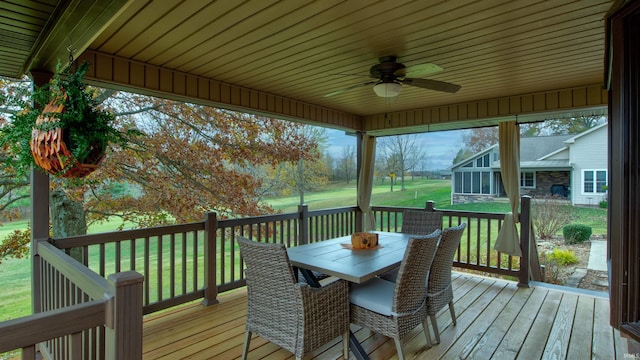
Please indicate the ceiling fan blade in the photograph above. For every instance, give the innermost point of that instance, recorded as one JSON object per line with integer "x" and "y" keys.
{"x": 338, "y": 92}
{"x": 432, "y": 85}
{"x": 420, "y": 70}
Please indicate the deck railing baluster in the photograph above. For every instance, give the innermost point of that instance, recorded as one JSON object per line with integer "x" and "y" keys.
{"x": 184, "y": 262}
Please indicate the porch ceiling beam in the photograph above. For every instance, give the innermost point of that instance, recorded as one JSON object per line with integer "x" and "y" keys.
{"x": 128, "y": 75}
{"x": 582, "y": 100}
{"x": 74, "y": 24}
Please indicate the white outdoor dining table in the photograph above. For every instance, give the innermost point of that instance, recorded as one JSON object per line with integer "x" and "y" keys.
{"x": 331, "y": 258}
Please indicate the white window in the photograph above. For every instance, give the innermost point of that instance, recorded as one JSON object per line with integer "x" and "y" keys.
{"x": 472, "y": 182}
{"x": 593, "y": 181}
{"x": 527, "y": 179}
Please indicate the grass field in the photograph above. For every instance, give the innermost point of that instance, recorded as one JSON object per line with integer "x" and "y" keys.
{"x": 15, "y": 274}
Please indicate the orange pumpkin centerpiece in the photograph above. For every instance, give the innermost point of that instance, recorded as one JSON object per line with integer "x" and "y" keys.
{"x": 364, "y": 240}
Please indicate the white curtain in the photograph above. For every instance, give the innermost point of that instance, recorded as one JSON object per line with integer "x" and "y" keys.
{"x": 508, "y": 240}
{"x": 365, "y": 182}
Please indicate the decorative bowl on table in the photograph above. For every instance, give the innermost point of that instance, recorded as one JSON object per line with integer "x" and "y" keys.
{"x": 364, "y": 240}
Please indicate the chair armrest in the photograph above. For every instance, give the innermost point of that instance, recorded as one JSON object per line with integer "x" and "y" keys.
{"x": 333, "y": 291}
{"x": 325, "y": 310}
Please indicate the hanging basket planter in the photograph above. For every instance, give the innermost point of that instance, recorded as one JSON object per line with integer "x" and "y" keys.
{"x": 61, "y": 129}
{"x": 50, "y": 149}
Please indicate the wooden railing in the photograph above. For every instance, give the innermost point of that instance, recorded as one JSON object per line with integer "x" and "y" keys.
{"x": 81, "y": 314}
{"x": 180, "y": 263}
{"x": 185, "y": 262}
{"x": 476, "y": 246}
{"x": 171, "y": 259}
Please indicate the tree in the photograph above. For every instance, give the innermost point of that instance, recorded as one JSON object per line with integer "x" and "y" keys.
{"x": 565, "y": 126}
{"x": 305, "y": 175}
{"x": 331, "y": 164}
{"x": 186, "y": 160}
{"x": 575, "y": 125}
{"x": 400, "y": 154}
{"x": 461, "y": 155}
{"x": 380, "y": 170}
{"x": 347, "y": 163}
{"x": 15, "y": 245}
{"x": 478, "y": 139}
{"x": 423, "y": 167}
{"x": 193, "y": 159}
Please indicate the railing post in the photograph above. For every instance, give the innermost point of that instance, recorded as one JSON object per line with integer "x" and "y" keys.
{"x": 303, "y": 224}
{"x": 431, "y": 205}
{"x": 525, "y": 224}
{"x": 39, "y": 212}
{"x": 123, "y": 333}
{"x": 210, "y": 279}
{"x": 39, "y": 232}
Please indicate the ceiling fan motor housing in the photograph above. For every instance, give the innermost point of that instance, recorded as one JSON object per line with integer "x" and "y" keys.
{"x": 388, "y": 70}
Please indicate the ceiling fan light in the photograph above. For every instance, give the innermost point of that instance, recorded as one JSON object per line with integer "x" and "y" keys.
{"x": 387, "y": 89}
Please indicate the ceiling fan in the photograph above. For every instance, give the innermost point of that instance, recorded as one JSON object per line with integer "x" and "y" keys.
{"x": 392, "y": 75}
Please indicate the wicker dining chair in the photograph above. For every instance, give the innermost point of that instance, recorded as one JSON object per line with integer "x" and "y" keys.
{"x": 290, "y": 314}
{"x": 439, "y": 289}
{"x": 394, "y": 309}
{"x": 421, "y": 222}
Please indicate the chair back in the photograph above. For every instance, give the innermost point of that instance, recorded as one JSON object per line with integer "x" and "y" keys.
{"x": 440, "y": 273}
{"x": 269, "y": 276}
{"x": 421, "y": 222}
{"x": 410, "y": 292}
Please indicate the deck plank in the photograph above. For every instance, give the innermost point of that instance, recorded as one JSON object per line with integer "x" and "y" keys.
{"x": 496, "y": 320}
{"x": 516, "y": 335}
{"x": 492, "y": 338}
{"x": 536, "y": 340}
{"x": 582, "y": 330}
{"x": 467, "y": 341}
{"x": 602, "y": 332}
{"x": 558, "y": 341}
{"x": 479, "y": 297}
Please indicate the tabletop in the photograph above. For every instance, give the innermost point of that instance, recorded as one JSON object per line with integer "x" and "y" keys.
{"x": 331, "y": 258}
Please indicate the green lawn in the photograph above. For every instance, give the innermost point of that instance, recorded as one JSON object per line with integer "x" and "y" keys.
{"x": 15, "y": 273}
{"x": 417, "y": 192}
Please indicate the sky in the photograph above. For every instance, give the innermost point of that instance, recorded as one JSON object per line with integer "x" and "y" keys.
{"x": 440, "y": 147}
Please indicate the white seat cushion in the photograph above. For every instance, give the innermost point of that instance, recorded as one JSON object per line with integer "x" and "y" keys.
{"x": 375, "y": 295}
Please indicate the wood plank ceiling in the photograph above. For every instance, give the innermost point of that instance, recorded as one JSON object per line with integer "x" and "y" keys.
{"x": 304, "y": 50}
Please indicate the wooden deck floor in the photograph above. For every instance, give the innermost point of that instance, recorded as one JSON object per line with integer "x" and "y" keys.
{"x": 496, "y": 320}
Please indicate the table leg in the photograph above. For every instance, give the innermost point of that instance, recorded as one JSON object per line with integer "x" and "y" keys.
{"x": 311, "y": 279}
{"x": 355, "y": 346}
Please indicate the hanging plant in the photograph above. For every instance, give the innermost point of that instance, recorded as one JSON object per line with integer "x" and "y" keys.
{"x": 65, "y": 133}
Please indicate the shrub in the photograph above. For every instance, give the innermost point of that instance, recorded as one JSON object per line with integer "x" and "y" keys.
{"x": 15, "y": 245}
{"x": 553, "y": 262}
{"x": 603, "y": 204}
{"x": 549, "y": 215}
{"x": 562, "y": 257}
{"x": 576, "y": 233}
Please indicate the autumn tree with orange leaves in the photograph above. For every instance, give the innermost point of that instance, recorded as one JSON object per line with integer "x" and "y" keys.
{"x": 185, "y": 160}
{"x": 191, "y": 159}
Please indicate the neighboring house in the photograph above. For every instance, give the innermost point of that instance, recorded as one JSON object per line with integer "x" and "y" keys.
{"x": 573, "y": 167}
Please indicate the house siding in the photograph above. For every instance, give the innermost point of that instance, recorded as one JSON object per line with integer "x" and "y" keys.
{"x": 588, "y": 152}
